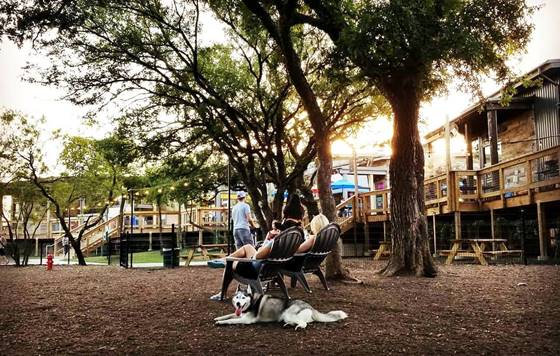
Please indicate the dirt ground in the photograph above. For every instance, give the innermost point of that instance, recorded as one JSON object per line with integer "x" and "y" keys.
{"x": 108, "y": 310}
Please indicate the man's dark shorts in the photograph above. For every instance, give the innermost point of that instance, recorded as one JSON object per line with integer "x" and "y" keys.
{"x": 243, "y": 237}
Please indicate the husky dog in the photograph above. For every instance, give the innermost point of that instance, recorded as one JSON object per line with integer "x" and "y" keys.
{"x": 255, "y": 308}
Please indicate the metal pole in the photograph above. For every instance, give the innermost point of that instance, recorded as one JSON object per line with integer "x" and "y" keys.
{"x": 524, "y": 257}
{"x": 129, "y": 240}
{"x": 355, "y": 203}
{"x": 434, "y": 232}
{"x": 69, "y": 228}
{"x": 229, "y": 208}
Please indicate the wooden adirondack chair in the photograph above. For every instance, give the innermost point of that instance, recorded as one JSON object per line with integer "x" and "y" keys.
{"x": 257, "y": 272}
{"x": 310, "y": 262}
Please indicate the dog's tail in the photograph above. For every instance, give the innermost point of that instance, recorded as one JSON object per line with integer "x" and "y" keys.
{"x": 330, "y": 317}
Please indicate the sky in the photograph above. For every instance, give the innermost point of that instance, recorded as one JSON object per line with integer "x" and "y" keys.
{"x": 37, "y": 101}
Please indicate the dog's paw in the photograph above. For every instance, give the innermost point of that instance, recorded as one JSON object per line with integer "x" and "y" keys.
{"x": 301, "y": 326}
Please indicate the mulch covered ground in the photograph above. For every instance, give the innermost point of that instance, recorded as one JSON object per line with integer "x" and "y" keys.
{"x": 93, "y": 310}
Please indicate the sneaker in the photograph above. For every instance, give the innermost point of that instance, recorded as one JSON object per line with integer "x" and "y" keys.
{"x": 217, "y": 297}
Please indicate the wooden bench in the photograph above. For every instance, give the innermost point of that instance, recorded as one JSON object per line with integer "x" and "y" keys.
{"x": 507, "y": 252}
{"x": 204, "y": 251}
{"x": 447, "y": 252}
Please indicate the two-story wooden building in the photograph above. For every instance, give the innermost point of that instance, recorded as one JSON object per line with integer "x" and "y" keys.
{"x": 505, "y": 180}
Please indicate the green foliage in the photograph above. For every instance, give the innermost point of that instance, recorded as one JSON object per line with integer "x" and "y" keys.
{"x": 18, "y": 140}
{"x": 428, "y": 42}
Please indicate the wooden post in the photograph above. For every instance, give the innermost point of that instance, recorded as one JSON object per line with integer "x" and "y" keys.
{"x": 434, "y": 231}
{"x": 36, "y": 246}
{"x": 469, "y": 162}
{"x": 366, "y": 238}
{"x": 542, "y": 232}
{"x": 457, "y": 225}
{"x": 150, "y": 241}
{"x": 481, "y": 155}
{"x": 384, "y": 230}
{"x": 450, "y": 179}
{"x": 492, "y": 230}
{"x": 493, "y": 135}
{"x": 447, "y": 144}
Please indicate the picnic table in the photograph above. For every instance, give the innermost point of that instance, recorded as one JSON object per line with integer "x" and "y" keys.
{"x": 384, "y": 250}
{"x": 478, "y": 249}
{"x": 204, "y": 251}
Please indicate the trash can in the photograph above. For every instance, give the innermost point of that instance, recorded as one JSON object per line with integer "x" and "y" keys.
{"x": 170, "y": 257}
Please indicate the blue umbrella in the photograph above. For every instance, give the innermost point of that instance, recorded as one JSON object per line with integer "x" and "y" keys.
{"x": 346, "y": 184}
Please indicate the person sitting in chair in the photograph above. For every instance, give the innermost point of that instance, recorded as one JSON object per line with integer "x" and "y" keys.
{"x": 293, "y": 215}
{"x": 317, "y": 224}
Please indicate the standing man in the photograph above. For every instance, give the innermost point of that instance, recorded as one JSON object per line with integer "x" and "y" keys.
{"x": 65, "y": 244}
{"x": 242, "y": 222}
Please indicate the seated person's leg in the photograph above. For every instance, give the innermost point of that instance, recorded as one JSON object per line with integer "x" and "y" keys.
{"x": 246, "y": 251}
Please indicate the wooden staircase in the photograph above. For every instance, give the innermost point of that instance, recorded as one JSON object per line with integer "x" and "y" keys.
{"x": 92, "y": 238}
{"x": 345, "y": 219}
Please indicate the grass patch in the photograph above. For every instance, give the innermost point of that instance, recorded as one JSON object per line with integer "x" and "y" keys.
{"x": 140, "y": 257}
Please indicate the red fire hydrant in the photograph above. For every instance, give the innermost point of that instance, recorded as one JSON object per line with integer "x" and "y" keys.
{"x": 49, "y": 262}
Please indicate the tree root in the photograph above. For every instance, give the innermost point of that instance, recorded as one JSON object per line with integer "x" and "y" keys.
{"x": 345, "y": 277}
{"x": 396, "y": 270}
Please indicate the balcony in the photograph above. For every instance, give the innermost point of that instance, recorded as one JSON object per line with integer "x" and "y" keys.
{"x": 516, "y": 182}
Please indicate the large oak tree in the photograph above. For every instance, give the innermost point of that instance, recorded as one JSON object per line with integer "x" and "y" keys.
{"x": 409, "y": 50}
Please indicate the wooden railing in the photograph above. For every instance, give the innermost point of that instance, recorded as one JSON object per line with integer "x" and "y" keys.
{"x": 346, "y": 213}
{"x": 94, "y": 237}
{"x": 376, "y": 202}
{"x": 524, "y": 175}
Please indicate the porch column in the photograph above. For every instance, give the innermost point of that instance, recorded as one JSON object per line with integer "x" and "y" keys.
{"x": 457, "y": 225}
{"x": 468, "y": 141}
{"x": 493, "y": 135}
{"x": 481, "y": 155}
{"x": 434, "y": 232}
{"x": 541, "y": 219}
{"x": 447, "y": 145}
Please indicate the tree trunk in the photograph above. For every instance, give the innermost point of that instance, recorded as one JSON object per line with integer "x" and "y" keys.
{"x": 121, "y": 216}
{"x": 78, "y": 251}
{"x": 333, "y": 262}
{"x": 307, "y": 198}
{"x": 409, "y": 233}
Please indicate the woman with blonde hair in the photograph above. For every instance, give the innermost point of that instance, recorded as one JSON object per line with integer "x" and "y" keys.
{"x": 318, "y": 223}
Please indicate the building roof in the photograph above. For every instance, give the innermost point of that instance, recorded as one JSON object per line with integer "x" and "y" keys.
{"x": 552, "y": 65}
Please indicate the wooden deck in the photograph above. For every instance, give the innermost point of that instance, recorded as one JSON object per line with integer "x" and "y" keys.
{"x": 518, "y": 182}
